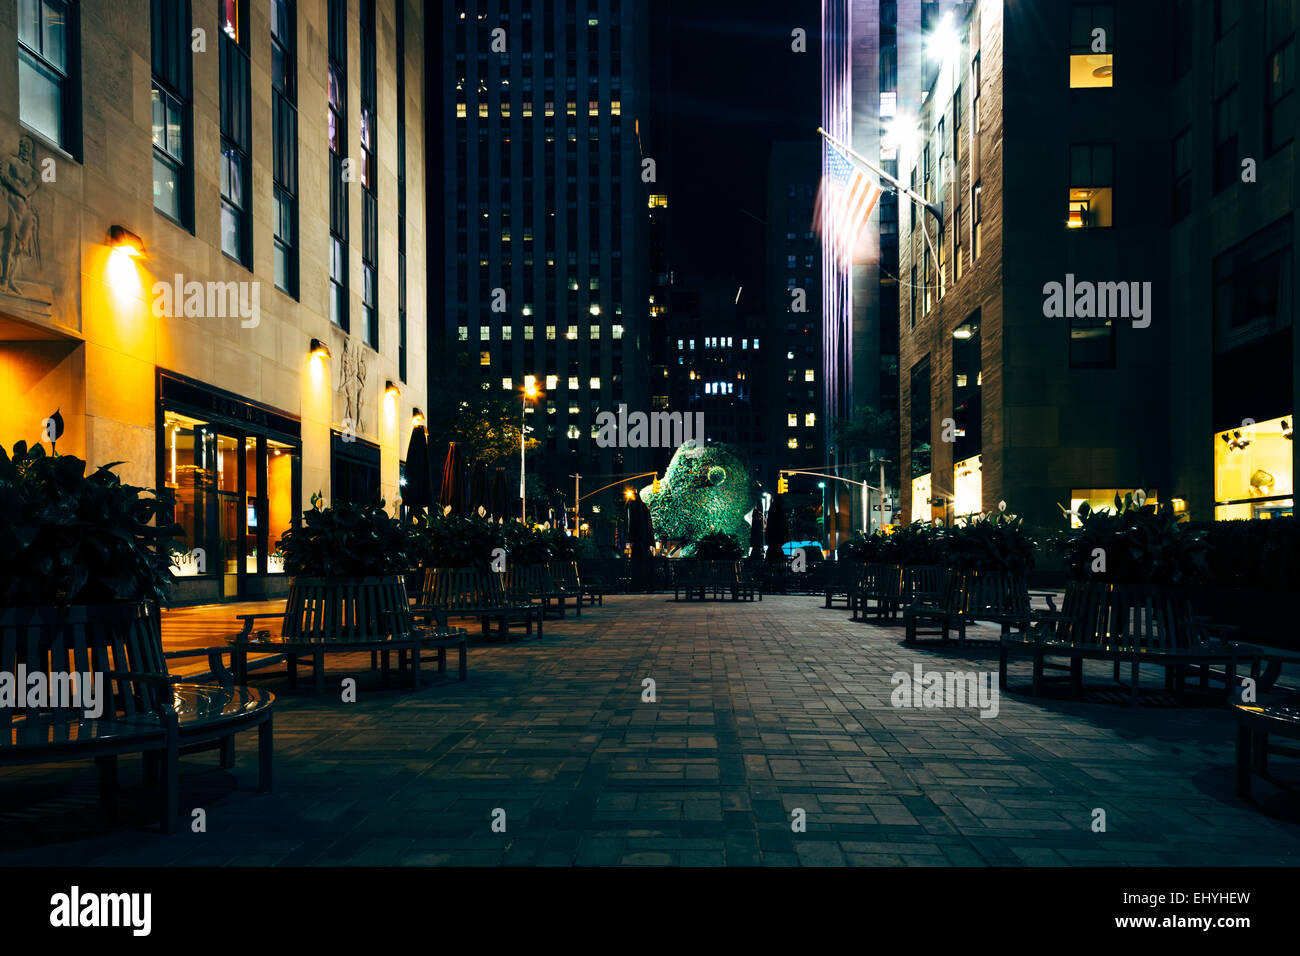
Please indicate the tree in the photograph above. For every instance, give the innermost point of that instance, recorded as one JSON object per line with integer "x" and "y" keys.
{"x": 482, "y": 420}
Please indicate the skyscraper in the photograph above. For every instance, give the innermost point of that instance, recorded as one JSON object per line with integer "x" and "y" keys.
{"x": 545, "y": 186}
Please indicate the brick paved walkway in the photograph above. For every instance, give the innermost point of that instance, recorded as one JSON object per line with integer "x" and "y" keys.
{"x": 761, "y": 709}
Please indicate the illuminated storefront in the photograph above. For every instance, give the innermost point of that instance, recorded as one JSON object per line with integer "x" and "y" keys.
{"x": 1103, "y": 499}
{"x": 921, "y": 498}
{"x": 235, "y": 469}
{"x": 968, "y": 487}
{"x": 1254, "y": 470}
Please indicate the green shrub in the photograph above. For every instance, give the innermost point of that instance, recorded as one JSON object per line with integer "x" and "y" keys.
{"x": 71, "y": 538}
{"x": 347, "y": 540}
{"x": 991, "y": 542}
{"x": 718, "y": 546}
{"x": 1133, "y": 545}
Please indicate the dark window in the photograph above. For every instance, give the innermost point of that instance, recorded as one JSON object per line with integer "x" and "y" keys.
{"x": 1279, "y": 117}
{"x": 173, "y": 176}
{"x": 1226, "y": 15}
{"x": 48, "y": 92}
{"x": 337, "y": 133}
{"x": 919, "y": 391}
{"x": 1182, "y": 198}
{"x": 236, "y": 134}
{"x": 354, "y": 470}
{"x": 284, "y": 122}
{"x": 977, "y": 221}
{"x": 1182, "y": 37}
{"x": 1225, "y": 141}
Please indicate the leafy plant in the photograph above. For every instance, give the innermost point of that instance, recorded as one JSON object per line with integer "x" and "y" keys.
{"x": 456, "y": 542}
{"x": 347, "y": 540}
{"x": 864, "y": 549}
{"x": 916, "y": 544}
{"x": 991, "y": 542}
{"x": 718, "y": 546}
{"x": 1253, "y": 554}
{"x": 1133, "y": 544}
{"x": 71, "y": 538}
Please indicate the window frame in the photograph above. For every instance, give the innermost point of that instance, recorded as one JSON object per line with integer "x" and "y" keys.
{"x": 65, "y": 79}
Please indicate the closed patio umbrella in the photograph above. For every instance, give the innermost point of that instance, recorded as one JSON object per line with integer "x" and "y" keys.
{"x": 756, "y": 533}
{"x": 478, "y": 490}
{"x": 778, "y": 531}
{"x": 451, "y": 496}
{"x": 417, "y": 495}
{"x": 498, "y": 496}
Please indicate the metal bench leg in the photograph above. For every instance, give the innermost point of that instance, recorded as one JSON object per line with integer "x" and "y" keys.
{"x": 228, "y": 752}
{"x": 293, "y": 671}
{"x": 1076, "y": 676}
{"x": 414, "y": 653}
{"x": 1136, "y": 671}
{"x": 318, "y": 677}
{"x": 1243, "y": 760}
{"x": 265, "y": 754}
{"x": 108, "y": 784}
{"x": 374, "y": 660}
{"x": 464, "y": 667}
{"x": 540, "y": 626}
{"x": 1038, "y": 674}
{"x": 1259, "y": 752}
{"x": 442, "y": 660}
{"x": 1002, "y": 668}
{"x": 171, "y": 787}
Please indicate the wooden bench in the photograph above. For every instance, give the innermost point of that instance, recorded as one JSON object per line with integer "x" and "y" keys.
{"x": 323, "y": 617}
{"x": 838, "y": 579}
{"x": 567, "y": 576}
{"x": 749, "y": 582}
{"x": 1000, "y": 598}
{"x": 146, "y": 710}
{"x": 1255, "y": 724}
{"x": 528, "y": 583}
{"x": 467, "y": 592}
{"x": 1131, "y": 624}
{"x": 603, "y": 576}
{"x": 706, "y": 577}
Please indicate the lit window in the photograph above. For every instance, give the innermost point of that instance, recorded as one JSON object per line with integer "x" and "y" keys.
{"x": 484, "y": 358}
{"x": 618, "y": 332}
{"x": 550, "y": 333}
{"x": 572, "y": 333}
{"x": 507, "y": 383}
{"x": 793, "y": 443}
{"x": 888, "y": 103}
{"x": 507, "y": 332}
{"x": 810, "y": 375}
{"x": 595, "y": 332}
{"x": 528, "y": 333}
{"x": 573, "y": 382}
{"x": 792, "y": 419}
{"x": 484, "y": 333}
{"x": 1092, "y": 61}
{"x": 1091, "y": 181}
{"x": 552, "y": 381}
{"x": 595, "y": 384}
{"x": 809, "y": 420}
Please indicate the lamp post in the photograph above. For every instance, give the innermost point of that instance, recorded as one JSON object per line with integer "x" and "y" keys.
{"x": 530, "y": 392}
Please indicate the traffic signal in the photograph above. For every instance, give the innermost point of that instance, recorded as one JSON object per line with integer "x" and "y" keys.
{"x": 783, "y": 485}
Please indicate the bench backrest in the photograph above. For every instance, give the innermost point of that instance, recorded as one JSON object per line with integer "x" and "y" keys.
{"x": 64, "y": 641}
{"x": 976, "y": 593}
{"x": 532, "y": 580}
{"x": 343, "y": 609}
{"x": 565, "y": 575}
{"x": 1130, "y": 617}
{"x": 916, "y": 580}
{"x": 458, "y": 588}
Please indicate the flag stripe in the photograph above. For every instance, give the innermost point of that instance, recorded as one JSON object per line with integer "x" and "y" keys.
{"x": 845, "y": 201}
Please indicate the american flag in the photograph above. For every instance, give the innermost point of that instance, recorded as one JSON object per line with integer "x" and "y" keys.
{"x": 844, "y": 204}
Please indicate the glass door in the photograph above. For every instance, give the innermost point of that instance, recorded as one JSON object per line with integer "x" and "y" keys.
{"x": 230, "y": 513}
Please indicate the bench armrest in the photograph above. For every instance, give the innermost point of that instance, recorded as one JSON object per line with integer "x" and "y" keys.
{"x": 216, "y": 661}
{"x": 1048, "y": 596}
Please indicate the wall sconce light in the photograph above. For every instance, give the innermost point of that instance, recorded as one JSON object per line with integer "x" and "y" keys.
{"x": 390, "y": 388}
{"x": 320, "y": 349}
{"x": 1287, "y": 430}
{"x": 417, "y": 418}
{"x": 125, "y": 241}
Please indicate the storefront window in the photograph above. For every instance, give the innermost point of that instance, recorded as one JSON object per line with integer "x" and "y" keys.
{"x": 921, "y": 498}
{"x": 1104, "y": 499}
{"x": 281, "y": 464}
{"x": 968, "y": 486}
{"x": 1253, "y": 472}
{"x": 186, "y": 474}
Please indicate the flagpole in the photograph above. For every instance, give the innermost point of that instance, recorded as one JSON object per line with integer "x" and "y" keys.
{"x": 905, "y": 190}
{"x": 897, "y": 184}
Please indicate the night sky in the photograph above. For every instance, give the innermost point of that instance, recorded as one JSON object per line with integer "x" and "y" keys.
{"x": 732, "y": 86}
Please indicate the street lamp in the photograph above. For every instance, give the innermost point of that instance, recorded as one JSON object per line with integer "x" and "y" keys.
{"x": 530, "y": 393}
